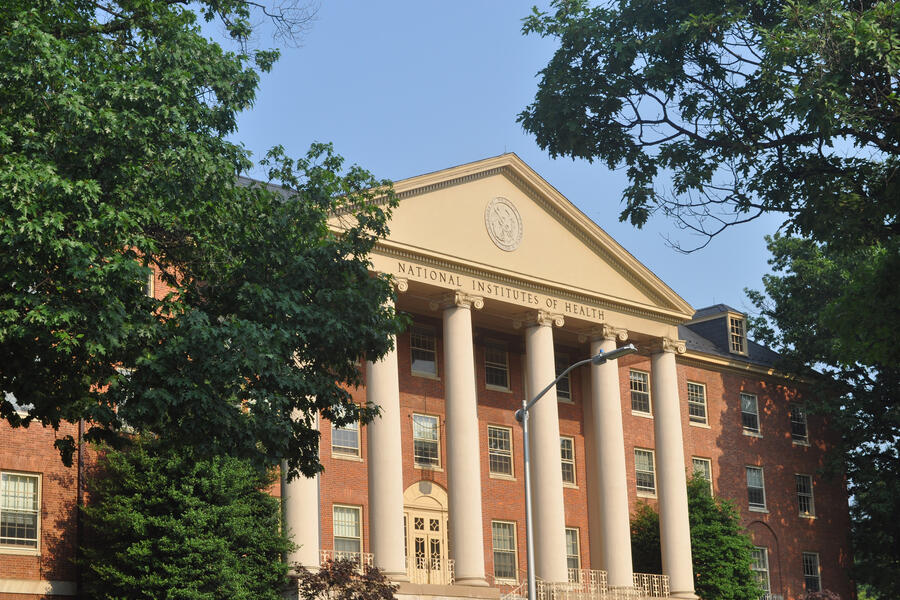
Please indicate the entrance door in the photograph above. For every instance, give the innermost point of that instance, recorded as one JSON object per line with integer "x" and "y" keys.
{"x": 427, "y": 546}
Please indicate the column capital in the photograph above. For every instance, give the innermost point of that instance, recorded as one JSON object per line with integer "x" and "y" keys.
{"x": 538, "y": 317}
{"x": 603, "y": 332}
{"x": 665, "y": 344}
{"x": 457, "y": 298}
{"x": 401, "y": 284}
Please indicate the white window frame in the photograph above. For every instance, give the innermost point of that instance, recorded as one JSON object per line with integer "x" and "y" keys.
{"x": 359, "y": 525}
{"x": 418, "y": 333}
{"x": 737, "y": 334}
{"x": 748, "y": 430}
{"x": 22, "y": 548}
{"x": 645, "y": 491}
{"x": 564, "y": 392}
{"x": 574, "y": 572}
{"x": 696, "y": 397}
{"x": 341, "y": 451}
{"x": 798, "y": 418}
{"x": 568, "y": 461}
{"x": 756, "y": 506}
{"x": 642, "y": 379}
{"x": 760, "y": 568}
{"x": 436, "y": 441}
{"x": 706, "y": 473}
{"x": 513, "y": 551}
{"x": 496, "y": 365}
{"x": 811, "y": 559}
{"x": 500, "y": 452}
{"x": 803, "y": 494}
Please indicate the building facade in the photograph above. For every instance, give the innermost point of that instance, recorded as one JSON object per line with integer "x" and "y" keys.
{"x": 507, "y": 283}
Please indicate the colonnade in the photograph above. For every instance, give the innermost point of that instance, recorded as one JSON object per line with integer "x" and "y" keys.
{"x": 385, "y": 459}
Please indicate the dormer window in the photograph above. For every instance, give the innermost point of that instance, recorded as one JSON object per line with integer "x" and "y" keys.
{"x": 737, "y": 329}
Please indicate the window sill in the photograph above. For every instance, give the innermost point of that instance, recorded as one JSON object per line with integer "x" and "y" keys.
{"x": 811, "y": 517}
{"x": 571, "y": 486}
{"x": 645, "y": 415}
{"x": 428, "y": 468}
{"x": 350, "y": 457}
{"x": 758, "y": 509}
{"x": 500, "y": 581}
{"x": 800, "y": 443}
{"x": 497, "y": 388}
{"x": 641, "y": 494}
{"x": 425, "y": 375}
{"x": 750, "y": 433}
{"x": 502, "y": 477}
{"x": 19, "y": 551}
{"x": 700, "y": 425}
{"x": 565, "y": 400}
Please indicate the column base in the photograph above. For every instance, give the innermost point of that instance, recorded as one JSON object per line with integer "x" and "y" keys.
{"x": 473, "y": 581}
{"x": 397, "y": 577}
{"x": 686, "y": 595}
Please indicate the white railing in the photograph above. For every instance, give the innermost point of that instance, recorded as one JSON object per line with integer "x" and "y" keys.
{"x": 362, "y": 559}
{"x": 591, "y": 584}
{"x": 432, "y": 571}
{"x": 771, "y": 596}
{"x": 651, "y": 584}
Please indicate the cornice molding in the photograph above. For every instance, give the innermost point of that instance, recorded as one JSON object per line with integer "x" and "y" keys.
{"x": 459, "y": 299}
{"x": 603, "y": 332}
{"x": 539, "y": 317}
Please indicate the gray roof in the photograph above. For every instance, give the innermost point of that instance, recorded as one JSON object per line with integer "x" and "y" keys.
{"x": 715, "y": 309}
{"x": 757, "y": 354}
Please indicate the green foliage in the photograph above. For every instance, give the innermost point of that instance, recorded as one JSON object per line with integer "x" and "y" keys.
{"x": 164, "y": 524}
{"x": 343, "y": 580}
{"x": 720, "y": 548}
{"x": 113, "y": 161}
{"x": 742, "y": 108}
{"x": 833, "y": 313}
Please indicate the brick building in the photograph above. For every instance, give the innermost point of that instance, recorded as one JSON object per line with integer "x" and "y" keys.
{"x": 507, "y": 283}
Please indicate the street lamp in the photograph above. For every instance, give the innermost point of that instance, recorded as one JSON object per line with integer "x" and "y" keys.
{"x": 522, "y": 417}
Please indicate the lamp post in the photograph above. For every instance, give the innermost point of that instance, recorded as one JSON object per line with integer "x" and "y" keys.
{"x": 522, "y": 417}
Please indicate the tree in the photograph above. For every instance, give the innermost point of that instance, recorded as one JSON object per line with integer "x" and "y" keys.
{"x": 745, "y": 107}
{"x": 818, "y": 308}
{"x": 344, "y": 580}
{"x": 719, "y": 546}
{"x": 113, "y": 163}
{"x": 164, "y": 524}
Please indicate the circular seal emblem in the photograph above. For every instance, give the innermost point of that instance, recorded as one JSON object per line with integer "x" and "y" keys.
{"x": 503, "y": 223}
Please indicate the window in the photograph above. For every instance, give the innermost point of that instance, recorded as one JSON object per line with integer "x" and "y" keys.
{"x": 703, "y": 469}
{"x": 496, "y": 366}
{"x": 345, "y": 440}
{"x": 567, "y": 452}
{"x": 564, "y": 385}
{"x": 347, "y": 529}
{"x": 573, "y": 554}
{"x": 422, "y": 349}
{"x": 738, "y": 335}
{"x": 500, "y": 450}
{"x": 756, "y": 490}
{"x": 150, "y": 285}
{"x": 799, "y": 433}
{"x": 19, "y": 510}
{"x": 426, "y": 441}
{"x": 644, "y": 473}
{"x": 503, "y": 539}
{"x": 750, "y": 413}
{"x": 811, "y": 577}
{"x": 696, "y": 402}
{"x": 640, "y": 391}
{"x": 805, "y": 495}
{"x": 760, "y": 566}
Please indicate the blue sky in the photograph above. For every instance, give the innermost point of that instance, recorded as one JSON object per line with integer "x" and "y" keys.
{"x": 405, "y": 88}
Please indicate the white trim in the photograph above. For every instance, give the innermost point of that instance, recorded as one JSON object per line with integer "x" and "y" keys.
{"x": 38, "y": 586}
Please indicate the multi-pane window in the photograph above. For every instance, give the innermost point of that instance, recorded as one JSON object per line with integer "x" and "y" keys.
{"x": 799, "y": 432}
{"x": 496, "y": 366}
{"x": 640, "y": 391}
{"x": 422, "y": 345}
{"x": 644, "y": 471}
{"x": 19, "y": 510}
{"x": 573, "y": 554}
{"x": 805, "y": 495}
{"x": 347, "y": 529}
{"x": 696, "y": 402}
{"x": 738, "y": 334}
{"x": 750, "y": 413}
{"x": 567, "y": 453}
{"x": 811, "y": 577}
{"x": 564, "y": 385}
{"x": 503, "y": 540}
{"x": 500, "y": 450}
{"x": 756, "y": 490}
{"x": 426, "y": 441}
{"x": 702, "y": 468}
{"x": 760, "y": 566}
{"x": 345, "y": 440}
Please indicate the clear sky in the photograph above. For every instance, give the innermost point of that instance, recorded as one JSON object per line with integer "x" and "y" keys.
{"x": 406, "y": 88}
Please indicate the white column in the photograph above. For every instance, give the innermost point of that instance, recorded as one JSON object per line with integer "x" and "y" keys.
{"x": 546, "y": 484}
{"x": 608, "y": 462}
{"x": 300, "y": 506}
{"x": 674, "y": 527}
{"x": 386, "y": 468}
{"x": 463, "y": 461}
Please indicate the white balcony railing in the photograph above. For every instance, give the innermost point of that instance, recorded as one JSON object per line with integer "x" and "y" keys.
{"x": 362, "y": 559}
{"x": 432, "y": 570}
{"x": 771, "y": 596}
{"x": 591, "y": 584}
{"x": 652, "y": 585}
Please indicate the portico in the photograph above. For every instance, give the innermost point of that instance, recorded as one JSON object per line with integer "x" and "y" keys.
{"x": 494, "y": 259}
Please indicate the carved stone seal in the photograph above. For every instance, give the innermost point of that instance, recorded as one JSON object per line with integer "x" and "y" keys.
{"x": 503, "y": 224}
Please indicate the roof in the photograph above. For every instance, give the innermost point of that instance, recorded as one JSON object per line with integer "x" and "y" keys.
{"x": 715, "y": 309}
{"x": 757, "y": 354}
